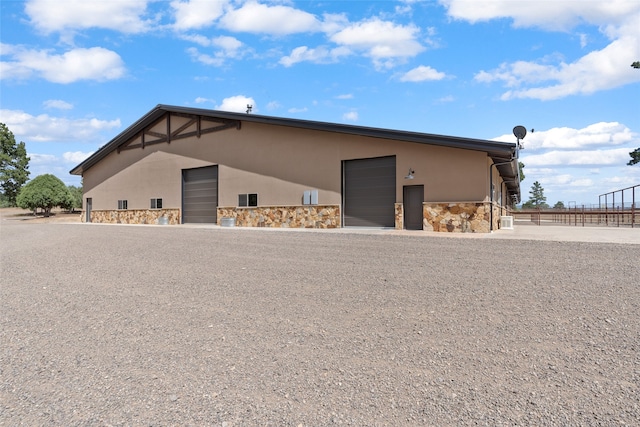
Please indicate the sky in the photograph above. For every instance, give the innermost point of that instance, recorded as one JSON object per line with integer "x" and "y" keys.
{"x": 76, "y": 73}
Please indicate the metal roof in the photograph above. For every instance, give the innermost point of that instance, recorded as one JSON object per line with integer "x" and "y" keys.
{"x": 500, "y": 152}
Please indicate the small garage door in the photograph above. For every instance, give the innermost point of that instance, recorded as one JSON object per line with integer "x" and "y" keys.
{"x": 200, "y": 195}
{"x": 369, "y": 192}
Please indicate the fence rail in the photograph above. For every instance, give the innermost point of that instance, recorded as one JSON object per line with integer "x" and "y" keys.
{"x": 618, "y": 208}
{"x": 582, "y": 216}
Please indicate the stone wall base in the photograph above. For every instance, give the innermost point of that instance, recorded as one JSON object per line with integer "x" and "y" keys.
{"x": 134, "y": 216}
{"x": 399, "y": 220}
{"x": 307, "y": 216}
{"x": 463, "y": 217}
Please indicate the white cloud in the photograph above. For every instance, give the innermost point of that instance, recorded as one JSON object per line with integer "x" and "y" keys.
{"x": 94, "y": 63}
{"x": 333, "y": 22}
{"x": 228, "y": 48}
{"x": 201, "y": 100}
{"x": 385, "y": 42}
{"x": 204, "y": 58}
{"x": 421, "y": 74}
{"x": 599, "y": 70}
{"x": 448, "y": 98}
{"x": 192, "y": 14}
{"x": 612, "y": 157}
{"x": 273, "y": 105}
{"x": 621, "y": 182}
{"x": 582, "y": 182}
{"x": 40, "y": 164}
{"x": 57, "y": 104}
{"x": 197, "y": 39}
{"x": 345, "y": 96}
{"x": 319, "y": 55}
{"x": 75, "y": 157}
{"x": 550, "y": 179}
{"x": 596, "y": 71}
{"x": 36, "y": 159}
{"x": 584, "y": 39}
{"x": 351, "y": 116}
{"x": 253, "y": 17}
{"x": 45, "y": 128}
{"x": 228, "y": 44}
{"x": 538, "y": 171}
{"x": 298, "y": 110}
{"x": 578, "y": 163}
{"x": 553, "y": 15}
{"x": 126, "y": 16}
{"x": 237, "y": 104}
{"x": 603, "y": 134}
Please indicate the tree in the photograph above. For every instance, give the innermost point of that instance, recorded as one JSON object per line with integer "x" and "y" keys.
{"x": 636, "y": 64}
{"x": 538, "y": 199}
{"x": 14, "y": 165}
{"x": 44, "y": 192}
{"x": 558, "y": 205}
{"x": 74, "y": 200}
{"x": 521, "y": 167}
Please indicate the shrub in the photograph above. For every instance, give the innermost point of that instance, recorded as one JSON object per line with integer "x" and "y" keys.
{"x": 44, "y": 192}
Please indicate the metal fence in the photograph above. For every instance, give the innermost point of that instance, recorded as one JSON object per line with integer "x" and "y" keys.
{"x": 618, "y": 208}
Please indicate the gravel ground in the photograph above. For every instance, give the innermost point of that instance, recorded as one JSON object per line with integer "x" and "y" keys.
{"x": 151, "y": 325}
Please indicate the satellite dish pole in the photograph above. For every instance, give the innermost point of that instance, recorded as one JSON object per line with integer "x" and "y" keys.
{"x": 520, "y": 132}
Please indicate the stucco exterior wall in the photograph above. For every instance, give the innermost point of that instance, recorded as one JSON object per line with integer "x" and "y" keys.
{"x": 278, "y": 163}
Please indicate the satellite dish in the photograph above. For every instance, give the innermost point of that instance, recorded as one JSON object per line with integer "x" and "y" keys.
{"x": 520, "y": 132}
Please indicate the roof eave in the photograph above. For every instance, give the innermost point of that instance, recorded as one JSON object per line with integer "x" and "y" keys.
{"x": 499, "y": 151}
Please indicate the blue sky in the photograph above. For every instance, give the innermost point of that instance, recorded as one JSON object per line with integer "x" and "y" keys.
{"x": 75, "y": 73}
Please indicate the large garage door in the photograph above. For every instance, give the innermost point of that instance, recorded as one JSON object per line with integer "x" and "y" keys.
{"x": 200, "y": 195}
{"x": 369, "y": 192}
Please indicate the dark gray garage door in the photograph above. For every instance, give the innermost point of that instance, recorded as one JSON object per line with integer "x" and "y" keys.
{"x": 200, "y": 195}
{"x": 369, "y": 192}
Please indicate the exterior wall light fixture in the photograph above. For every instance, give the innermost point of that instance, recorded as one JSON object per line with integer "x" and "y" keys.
{"x": 410, "y": 174}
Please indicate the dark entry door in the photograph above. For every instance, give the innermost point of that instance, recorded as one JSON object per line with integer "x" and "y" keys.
{"x": 413, "y": 196}
{"x": 89, "y": 207}
{"x": 200, "y": 195}
{"x": 369, "y": 192}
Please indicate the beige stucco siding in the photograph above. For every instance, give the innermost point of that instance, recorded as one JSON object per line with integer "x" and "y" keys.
{"x": 158, "y": 175}
{"x": 278, "y": 163}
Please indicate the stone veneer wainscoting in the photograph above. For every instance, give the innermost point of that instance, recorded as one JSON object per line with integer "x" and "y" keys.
{"x": 134, "y": 216}
{"x": 463, "y": 217}
{"x": 399, "y": 223}
{"x": 308, "y": 216}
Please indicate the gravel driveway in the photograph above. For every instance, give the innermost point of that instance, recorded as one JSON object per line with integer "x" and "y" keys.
{"x": 155, "y": 326}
